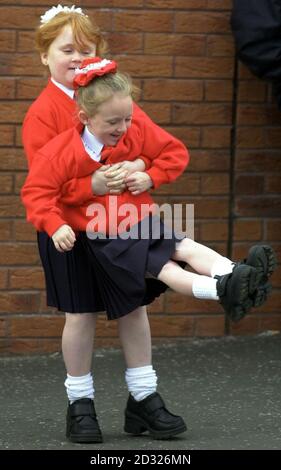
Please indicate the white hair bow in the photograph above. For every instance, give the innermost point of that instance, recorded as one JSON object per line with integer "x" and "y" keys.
{"x": 49, "y": 14}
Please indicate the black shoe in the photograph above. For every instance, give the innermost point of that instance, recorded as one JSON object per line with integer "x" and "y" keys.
{"x": 263, "y": 258}
{"x": 235, "y": 290}
{"x": 81, "y": 422}
{"x": 151, "y": 415}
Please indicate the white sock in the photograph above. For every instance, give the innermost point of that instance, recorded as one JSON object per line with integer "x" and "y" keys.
{"x": 141, "y": 381}
{"x": 204, "y": 287}
{"x": 222, "y": 266}
{"x": 79, "y": 387}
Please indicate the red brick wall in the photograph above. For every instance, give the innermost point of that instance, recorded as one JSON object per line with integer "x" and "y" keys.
{"x": 182, "y": 56}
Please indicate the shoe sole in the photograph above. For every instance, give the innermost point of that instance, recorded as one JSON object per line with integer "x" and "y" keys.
{"x": 244, "y": 283}
{"x": 85, "y": 439}
{"x": 263, "y": 258}
{"x": 135, "y": 425}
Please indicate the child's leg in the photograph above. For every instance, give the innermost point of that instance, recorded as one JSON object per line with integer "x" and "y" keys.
{"x": 145, "y": 408}
{"x": 202, "y": 259}
{"x": 77, "y": 348}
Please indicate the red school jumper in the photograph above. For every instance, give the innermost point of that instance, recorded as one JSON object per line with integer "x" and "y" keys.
{"x": 65, "y": 158}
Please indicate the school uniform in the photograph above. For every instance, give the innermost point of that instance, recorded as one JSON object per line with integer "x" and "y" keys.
{"x": 69, "y": 276}
{"x": 120, "y": 266}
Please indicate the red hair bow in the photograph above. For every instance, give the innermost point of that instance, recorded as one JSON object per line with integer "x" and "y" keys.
{"x": 92, "y": 68}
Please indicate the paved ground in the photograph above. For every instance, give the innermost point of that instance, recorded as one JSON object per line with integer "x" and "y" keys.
{"x": 228, "y": 390}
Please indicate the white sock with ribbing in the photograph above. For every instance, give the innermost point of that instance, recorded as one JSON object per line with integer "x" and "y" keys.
{"x": 79, "y": 387}
{"x": 141, "y": 381}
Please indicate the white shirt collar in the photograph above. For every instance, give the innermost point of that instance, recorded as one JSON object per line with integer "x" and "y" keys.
{"x": 92, "y": 145}
{"x": 66, "y": 90}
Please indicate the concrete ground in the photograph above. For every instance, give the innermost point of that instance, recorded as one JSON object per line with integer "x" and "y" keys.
{"x": 228, "y": 391}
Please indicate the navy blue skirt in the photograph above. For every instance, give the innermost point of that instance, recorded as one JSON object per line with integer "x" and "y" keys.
{"x": 126, "y": 269}
{"x": 70, "y": 278}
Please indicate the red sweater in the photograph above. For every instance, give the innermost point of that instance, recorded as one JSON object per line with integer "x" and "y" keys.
{"x": 65, "y": 158}
{"x": 52, "y": 113}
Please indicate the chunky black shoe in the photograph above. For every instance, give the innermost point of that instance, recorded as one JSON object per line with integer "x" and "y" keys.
{"x": 263, "y": 258}
{"x": 236, "y": 289}
{"x": 81, "y": 422}
{"x": 151, "y": 415}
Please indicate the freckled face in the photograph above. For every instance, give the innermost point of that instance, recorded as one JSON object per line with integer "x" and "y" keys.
{"x": 63, "y": 57}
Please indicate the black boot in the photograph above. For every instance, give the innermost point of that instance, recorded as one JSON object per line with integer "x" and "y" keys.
{"x": 81, "y": 422}
{"x": 236, "y": 289}
{"x": 151, "y": 415}
{"x": 263, "y": 258}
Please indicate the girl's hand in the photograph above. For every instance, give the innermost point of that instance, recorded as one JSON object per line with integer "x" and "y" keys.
{"x": 138, "y": 182}
{"x": 99, "y": 181}
{"x": 64, "y": 238}
{"x": 116, "y": 175}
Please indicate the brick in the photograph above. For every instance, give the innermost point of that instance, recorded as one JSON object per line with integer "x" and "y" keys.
{"x": 174, "y": 4}
{"x": 215, "y": 184}
{"x": 244, "y": 73}
{"x": 36, "y": 326}
{"x": 15, "y": 302}
{"x": 146, "y": 66}
{"x": 158, "y": 112}
{"x": 177, "y": 303}
{"x": 154, "y": 21}
{"x": 21, "y": 64}
{"x": 13, "y": 111}
{"x": 7, "y": 88}
{"x": 195, "y": 67}
{"x": 244, "y": 230}
{"x": 26, "y": 41}
{"x": 251, "y": 137}
{"x": 273, "y": 304}
{"x": 19, "y": 181}
{"x": 219, "y": 4}
{"x": 19, "y": 136}
{"x": 7, "y": 135}
{"x": 249, "y": 184}
{"x": 249, "y": 90}
{"x": 5, "y": 230}
{"x": 10, "y": 206}
{"x": 3, "y": 328}
{"x": 259, "y": 206}
{"x": 26, "y": 278}
{"x": 273, "y": 230}
{"x": 209, "y": 160}
{"x": 173, "y": 90}
{"x": 31, "y": 346}
{"x": 258, "y": 160}
{"x": 206, "y": 326}
{"x": 220, "y": 46}
{"x": 206, "y": 207}
{"x": 257, "y": 114}
{"x": 214, "y": 231}
{"x": 125, "y": 43}
{"x": 24, "y": 231}
{"x": 202, "y": 114}
{"x": 28, "y": 88}
{"x": 273, "y": 137}
{"x": 12, "y": 159}
{"x": 270, "y": 323}
{"x": 171, "y": 326}
{"x": 186, "y": 184}
{"x": 6, "y": 184}
{"x": 190, "y": 136}
{"x": 202, "y": 22}
{"x": 216, "y": 137}
{"x": 249, "y": 325}
{"x": 175, "y": 44}
{"x": 14, "y": 17}
{"x": 276, "y": 277}
{"x": 218, "y": 90}
{"x": 19, "y": 254}
{"x": 3, "y": 278}
{"x": 105, "y": 328}
{"x": 125, "y": 3}
{"x": 7, "y": 41}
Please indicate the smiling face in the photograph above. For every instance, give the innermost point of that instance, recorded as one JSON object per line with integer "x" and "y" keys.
{"x": 112, "y": 119}
{"x": 63, "y": 57}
